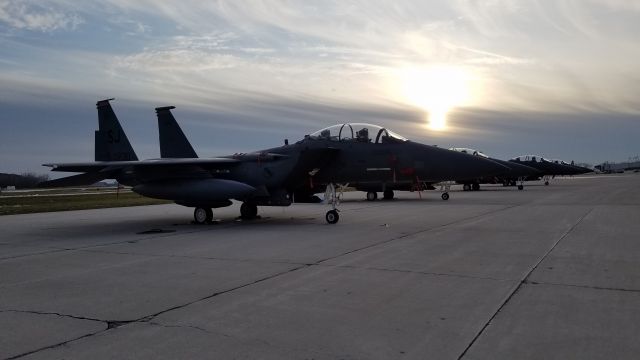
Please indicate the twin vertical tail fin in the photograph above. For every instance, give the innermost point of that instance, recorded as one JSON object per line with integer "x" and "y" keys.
{"x": 173, "y": 142}
{"x": 112, "y": 143}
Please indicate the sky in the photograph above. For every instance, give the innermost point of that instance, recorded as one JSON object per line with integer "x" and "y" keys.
{"x": 556, "y": 78}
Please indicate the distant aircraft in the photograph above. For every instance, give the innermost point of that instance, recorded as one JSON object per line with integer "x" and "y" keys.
{"x": 515, "y": 173}
{"x": 577, "y": 170}
{"x": 341, "y": 154}
{"x": 548, "y": 168}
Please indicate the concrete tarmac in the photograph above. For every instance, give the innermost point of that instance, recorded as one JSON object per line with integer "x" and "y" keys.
{"x": 551, "y": 272}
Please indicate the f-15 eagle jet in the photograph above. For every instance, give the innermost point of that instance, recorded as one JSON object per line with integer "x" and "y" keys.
{"x": 515, "y": 173}
{"x": 549, "y": 168}
{"x": 339, "y": 154}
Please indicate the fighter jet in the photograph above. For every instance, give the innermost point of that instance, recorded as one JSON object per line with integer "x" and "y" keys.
{"x": 577, "y": 170}
{"x": 514, "y": 174}
{"x": 173, "y": 143}
{"x": 274, "y": 177}
{"x": 548, "y": 168}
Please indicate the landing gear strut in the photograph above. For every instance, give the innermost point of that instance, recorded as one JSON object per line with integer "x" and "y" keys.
{"x": 248, "y": 210}
{"x": 333, "y": 199}
{"x": 445, "y": 186}
{"x": 202, "y": 215}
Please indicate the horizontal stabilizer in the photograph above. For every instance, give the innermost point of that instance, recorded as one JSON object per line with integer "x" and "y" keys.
{"x": 173, "y": 142}
{"x": 75, "y": 180}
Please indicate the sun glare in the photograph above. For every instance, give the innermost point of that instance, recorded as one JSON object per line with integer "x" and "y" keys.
{"x": 437, "y": 90}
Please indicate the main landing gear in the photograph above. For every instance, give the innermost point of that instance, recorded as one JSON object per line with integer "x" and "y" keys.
{"x": 388, "y": 195}
{"x": 471, "y": 186}
{"x": 248, "y": 211}
{"x": 202, "y": 215}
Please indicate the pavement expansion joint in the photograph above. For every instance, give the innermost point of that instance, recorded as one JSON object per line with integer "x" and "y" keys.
{"x": 582, "y": 286}
{"x": 463, "y": 276}
{"x": 515, "y": 290}
{"x": 454, "y": 222}
{"x": 54, "y": 250}
{"x": 192, "y": 257}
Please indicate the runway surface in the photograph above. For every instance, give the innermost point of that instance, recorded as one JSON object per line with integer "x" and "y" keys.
{"x": 551, "y": 272}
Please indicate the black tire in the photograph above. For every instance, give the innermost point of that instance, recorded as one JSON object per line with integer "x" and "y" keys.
{"x": 466, "y": 187}
{"x": 520, "y": 187}
{"x": 248, "y": 211}
{"x": 202, "y": 215}
{"x": 445, "y": 196}
{"x": 546, "y": 183}
{"x": 475, "y": 186}
{"x": 332, "y": 216}
{"x": 372, "y": 196}
{"x": 388, "y": 194}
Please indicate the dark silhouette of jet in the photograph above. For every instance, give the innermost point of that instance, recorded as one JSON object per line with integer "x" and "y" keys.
{"x": 514, "y": 174}
{"x": 341, "y": 154}
{"x": 549, "y": 168}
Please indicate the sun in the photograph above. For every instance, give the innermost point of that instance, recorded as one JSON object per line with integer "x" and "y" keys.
{"x": 437, "y": 90}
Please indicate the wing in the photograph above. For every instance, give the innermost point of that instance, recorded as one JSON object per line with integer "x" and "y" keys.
{"x": 207, "y": 163}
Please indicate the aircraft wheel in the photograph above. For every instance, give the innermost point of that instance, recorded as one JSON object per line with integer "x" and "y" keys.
{"x": 248, "y": 210}
{"x": 546, "y": 183}
{"x": 520, "y": 187}
{"x": 466, "y": 187}
{"x": 475, "y": 187}
{"x": 202, "y": 215}
{"x": 445, "y": 196}
{"x": 332, "y": 216}
{"x": 388, "y": 194}
{"x": 372, "y": 195}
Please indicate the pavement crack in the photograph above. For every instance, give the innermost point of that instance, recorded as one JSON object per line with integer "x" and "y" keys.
{"x": 523, "y": 281}
{"x": 148, "y": 318}
{"x": 181, "y": 327}
{"x": 54, "y": 313}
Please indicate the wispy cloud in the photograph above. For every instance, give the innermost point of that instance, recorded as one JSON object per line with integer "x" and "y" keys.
{"x": 36, "y": 17}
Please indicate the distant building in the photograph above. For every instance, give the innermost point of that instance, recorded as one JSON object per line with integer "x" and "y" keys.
{"x": 608, "y": 167}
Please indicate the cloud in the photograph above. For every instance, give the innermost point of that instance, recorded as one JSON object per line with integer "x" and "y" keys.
{"x": 29, "y": 16}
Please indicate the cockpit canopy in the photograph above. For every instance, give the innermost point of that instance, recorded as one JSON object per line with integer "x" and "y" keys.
{"x": 534, "y": 158}
{"x": 360, "y": 132}
{"x": 470, "y": 152}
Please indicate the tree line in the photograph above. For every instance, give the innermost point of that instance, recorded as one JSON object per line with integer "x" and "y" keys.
{"x": 22, "y": 181}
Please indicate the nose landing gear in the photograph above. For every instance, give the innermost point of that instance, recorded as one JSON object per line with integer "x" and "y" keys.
{"x": 333, "y": 199}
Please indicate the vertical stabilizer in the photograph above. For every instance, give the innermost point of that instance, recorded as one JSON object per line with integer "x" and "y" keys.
{"x": 173, "y": 142}
{"x": 111, "y": 141}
